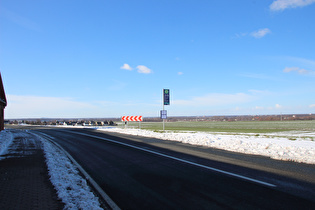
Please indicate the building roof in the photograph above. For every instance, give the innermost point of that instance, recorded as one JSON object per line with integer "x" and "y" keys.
{"x": 3, "y": 100}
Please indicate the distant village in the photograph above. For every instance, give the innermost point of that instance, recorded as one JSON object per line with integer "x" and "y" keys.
{"x": 115, "y": 121}
{"x": 68, "y": 122}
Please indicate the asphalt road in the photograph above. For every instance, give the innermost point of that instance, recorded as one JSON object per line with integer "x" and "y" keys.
{"x": 147, "y": 173}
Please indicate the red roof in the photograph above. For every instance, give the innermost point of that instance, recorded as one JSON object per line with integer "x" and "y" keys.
{"x": 3, "y": 100}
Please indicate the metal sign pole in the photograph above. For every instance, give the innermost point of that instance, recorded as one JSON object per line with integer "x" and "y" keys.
{"x": 163, "y": 120}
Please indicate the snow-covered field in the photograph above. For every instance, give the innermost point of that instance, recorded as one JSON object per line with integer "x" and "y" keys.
{"x": 71, "y": 188}
{"x": 293, "y": 146}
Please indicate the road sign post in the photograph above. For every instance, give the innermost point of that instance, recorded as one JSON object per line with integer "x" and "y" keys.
{"x": 163, "y": 115}
{"x": 166, "y": 101}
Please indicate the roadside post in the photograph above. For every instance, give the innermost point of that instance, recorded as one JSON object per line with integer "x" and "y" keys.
{"x": 166, "y": 101}
{"x": 126, "y": 124}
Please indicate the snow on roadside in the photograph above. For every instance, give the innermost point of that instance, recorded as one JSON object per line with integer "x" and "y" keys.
{"x": 71, "y": 188}
{"x": 276, "y": 147}
{"x": 6, "y": 138}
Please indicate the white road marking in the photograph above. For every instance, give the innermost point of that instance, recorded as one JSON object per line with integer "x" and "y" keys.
{"x": 101, "y": 192}
{"x": 179, "y": 159}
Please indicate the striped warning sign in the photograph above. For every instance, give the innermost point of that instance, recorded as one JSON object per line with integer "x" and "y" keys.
{"x": 131, "y": 118}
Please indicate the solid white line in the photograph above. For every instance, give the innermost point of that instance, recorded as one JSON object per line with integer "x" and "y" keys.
{"x": 101, "y": 192}
{"x": 181, "y": 160}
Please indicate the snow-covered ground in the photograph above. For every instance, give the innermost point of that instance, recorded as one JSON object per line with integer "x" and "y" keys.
{"x": 6, "y": 138}
{"x": 293, "y": 146}
{"x": 71, "y": 188}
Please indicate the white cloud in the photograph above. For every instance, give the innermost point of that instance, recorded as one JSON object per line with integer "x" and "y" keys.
{"x": 312, "y": 106}
{"x": 141, "y": 69}
{"x": 278, "y": 106}
{"x": 297, "y": 69}
{"x": 37, "y": 106}
{"x": 280, "y": 5}
{"x": 260, "y": 33}
{"x": 126, "y": 67}
{"x": 180, "y": 73}
{"x": 144, "y": 70}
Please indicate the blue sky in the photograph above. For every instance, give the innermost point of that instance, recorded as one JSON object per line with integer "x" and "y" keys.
{"x": 106, "y": 58}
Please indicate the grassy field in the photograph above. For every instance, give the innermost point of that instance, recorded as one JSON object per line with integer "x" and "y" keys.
{"x": 231, "y": 127}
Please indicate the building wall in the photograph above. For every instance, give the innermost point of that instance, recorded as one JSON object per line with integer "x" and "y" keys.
{"x": 3, "y": 103}
{"x": 1, "y": 118}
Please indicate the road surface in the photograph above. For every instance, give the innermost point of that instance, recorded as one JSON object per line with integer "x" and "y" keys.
{"x": 147, "y": 173}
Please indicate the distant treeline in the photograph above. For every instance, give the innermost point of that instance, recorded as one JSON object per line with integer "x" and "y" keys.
{"x": 286, "y": 117}
{"x": 111, "y": 121}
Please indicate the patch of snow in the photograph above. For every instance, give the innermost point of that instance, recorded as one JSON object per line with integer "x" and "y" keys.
{"x": 278, "y": 146}
{"x": 6, "y": 139}
{"x": 71, "y": 187}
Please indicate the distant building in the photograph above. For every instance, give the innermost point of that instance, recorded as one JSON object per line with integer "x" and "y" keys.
{"x": 3, "y": 104}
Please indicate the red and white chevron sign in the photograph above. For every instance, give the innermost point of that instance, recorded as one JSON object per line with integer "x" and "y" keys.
{"x": 131, "y": 118}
